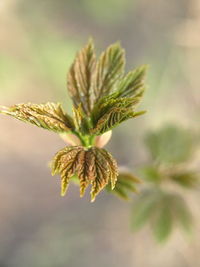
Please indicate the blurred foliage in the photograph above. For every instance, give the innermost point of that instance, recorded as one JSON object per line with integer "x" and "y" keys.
{"x": 11, "y": 67}
{"x": 52, "y": 57}
{"x": 187, "y": 179}
{"x": 103, "y": 13}
{"x": 96, "y": 10}
{"x": 47, "y": 59}
{"x": 171, "y": 144}
{"x": 172, "y": 150}
{"x": 125, "y": 185}
{"x": 163, "y": 211}
{"x": 161, "y": 205}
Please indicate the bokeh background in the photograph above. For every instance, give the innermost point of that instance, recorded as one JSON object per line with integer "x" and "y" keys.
{"x": 38, "y": 41}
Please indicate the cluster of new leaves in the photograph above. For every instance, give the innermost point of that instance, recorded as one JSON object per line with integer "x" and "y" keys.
{"x": 103, "y": 97}
{"x": 93, "y": 166}
{"x": 172, "y": 149}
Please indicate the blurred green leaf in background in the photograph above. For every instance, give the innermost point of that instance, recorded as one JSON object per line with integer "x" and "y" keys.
{"x": 161, "y": 203}
{"x": 163, "y": 211}
{"x": 170, "y": 144}
{"x": 125, "y": 185}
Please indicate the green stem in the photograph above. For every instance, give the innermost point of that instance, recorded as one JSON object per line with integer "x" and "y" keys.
{"x": 86, "y": 140}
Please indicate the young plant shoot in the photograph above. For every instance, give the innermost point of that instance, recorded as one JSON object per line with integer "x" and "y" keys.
{"x": 103, "y": 97}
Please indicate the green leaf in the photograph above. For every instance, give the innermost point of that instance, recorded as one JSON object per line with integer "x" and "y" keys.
{"x": 151, "y": 174}
{"x": 183, "y": 214}
{"x": 162, "y": 221}
{"x": 79, "y": 79}
{"x": 112, "y": 165}
{"x": 114, "y": 117}
{"x": 127, "y": 94}
{"x": 109, "y": 70}
{"x": 120, "y": 192}
{"x": 49, "y": 116}
{"x": 93, "y": 166}
{"x": 75, "y": 180}
{"x": 86, "y": 170}
{"x": 132, "y": 85}
{"x": 144, "y": 208}
{"x": 126, "y": 184}
{"x": 80, "y": 120}
{"x": 65, "y": 163}
{"x": 98, "y": 89}
{"x": 187, "y": 179}
{"x": 106, "y": 105}
{"x": 170, "y": 144}
{"x": 161, "y": 210}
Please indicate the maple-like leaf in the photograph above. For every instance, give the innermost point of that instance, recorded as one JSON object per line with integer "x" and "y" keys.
{"x": 113, "y": 118}
{"x": 132, "y": 84}
{"x": 80, "y": 120}
{"x": 109, "y": 70}
{"x": 107, "y": 104}
{"x": 79, "y": 78}
{"x": 162, "y": 210}
{"x": 93, "y": 166}
{"x": 48, "y": 116}
{"x": 120, "y": 105}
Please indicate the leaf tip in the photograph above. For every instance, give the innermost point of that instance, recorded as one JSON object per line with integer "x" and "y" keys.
{"x": 63, "y": 190}
{"x": 92, "y": 198}
{"x": 4, "y": 110}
